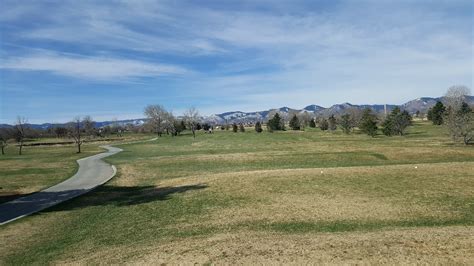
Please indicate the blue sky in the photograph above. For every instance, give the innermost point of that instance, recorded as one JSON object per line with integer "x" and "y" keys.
{"x": 109, "y": 59}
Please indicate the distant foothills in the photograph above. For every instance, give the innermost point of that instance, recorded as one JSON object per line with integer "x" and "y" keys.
{"x": 418, "y": 106}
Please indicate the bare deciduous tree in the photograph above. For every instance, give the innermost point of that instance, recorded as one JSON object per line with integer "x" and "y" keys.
{"x": 60, "y": 132}
{"x": 456, "y": 95}
{"x": 458, "y": 116}
{"x": 168, "y": 123}
{"x": 20, "y": 132}
{"x": 304, "y": 118}
{"x": 89, "y": 126}
{"x": 116, "y": 127}
{"x": 75, "y": 132}
{"x": 466, "y": 130}
{"x": 5, "y": 135}
{"x": 191, "y": 117}
{"x": 156, "y": 115}
{"x": 355, "y": 115}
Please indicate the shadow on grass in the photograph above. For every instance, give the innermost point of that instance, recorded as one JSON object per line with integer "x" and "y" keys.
{"x": 66, "y": 199}
{"x": 124, "y": 196}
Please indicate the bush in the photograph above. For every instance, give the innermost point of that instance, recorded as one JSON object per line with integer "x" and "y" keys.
{"x": 258, "y": 127}
{"x": 460, "y": 123}
{"x": 332, "y": 124}
{"x": 324, "y": 125}
{"x": 234, "y": 127}
{"x": 396, "y": 122}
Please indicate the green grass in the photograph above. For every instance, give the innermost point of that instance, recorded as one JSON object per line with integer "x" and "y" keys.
{"x": 180, "y": 188}
{"x": 40, "y": 167}
{"x": 184, "y": 156}
{"x": 347, "y": 226}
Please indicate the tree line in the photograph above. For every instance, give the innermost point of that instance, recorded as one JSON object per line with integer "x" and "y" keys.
{"x": 365, "y": 120}
{"x": 79, "y": 130}
{"x": 456, "y": 115}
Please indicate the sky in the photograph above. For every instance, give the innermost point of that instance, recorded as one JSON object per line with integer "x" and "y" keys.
{"x": 109, "y": 59}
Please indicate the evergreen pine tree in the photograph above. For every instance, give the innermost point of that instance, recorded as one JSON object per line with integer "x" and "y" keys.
{"x": 368, "y": 123}
{"x": 387, "y": 126}
{"x": 402, "y": 121}
{"x": 396, "y": 122}
{"x": 429, "y": 114}
{"x": 436, "y": 113}
{"x": 312, "y": 123}
{"x": 258, "y": 127}
{"x": 332, "y": 123}
{"x": 295, "y": 123}
{"x": 346, "y": 123}
{"x": 465, "y": 109}
{"x": 276, "y": 123}
{"x": 234, "y": 127}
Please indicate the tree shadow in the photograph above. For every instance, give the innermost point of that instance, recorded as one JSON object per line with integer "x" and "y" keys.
{"x": 415, "y": 133}
{"x": 457, "y": 144}
{"x": 53, "y": 201}
{"x": 124, "y": 196}
{"x": 9, "y": 196}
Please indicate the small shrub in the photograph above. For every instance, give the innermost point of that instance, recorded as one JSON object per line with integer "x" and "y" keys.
{"x": 258, "y": 127}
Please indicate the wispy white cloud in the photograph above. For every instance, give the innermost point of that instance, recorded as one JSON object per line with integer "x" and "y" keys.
{"x": 134, "y": 26}
{"x": 253, "y": 55}
{"x": 101, "y": 68}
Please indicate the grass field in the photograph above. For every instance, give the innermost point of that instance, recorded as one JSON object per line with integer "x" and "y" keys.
{"x": 43, "y": 166}
{"x": 285, "y": 197}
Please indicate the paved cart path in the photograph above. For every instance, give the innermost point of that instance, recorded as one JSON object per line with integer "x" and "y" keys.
{"x": 92, "y": 172}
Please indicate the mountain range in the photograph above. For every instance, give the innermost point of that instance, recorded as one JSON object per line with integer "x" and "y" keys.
{"x": 421, "y": 104}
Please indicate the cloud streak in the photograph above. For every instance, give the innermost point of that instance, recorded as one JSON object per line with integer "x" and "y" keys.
{"x": 215, "y": 55}
{"x": 101, "y": 68}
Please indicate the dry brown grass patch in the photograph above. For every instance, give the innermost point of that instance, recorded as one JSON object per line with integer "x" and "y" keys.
{"x": 296, "y": 194}
{"x": 448, "y": 245}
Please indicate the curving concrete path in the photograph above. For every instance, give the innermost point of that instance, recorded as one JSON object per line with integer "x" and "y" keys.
{"x": 92, "y": 172}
